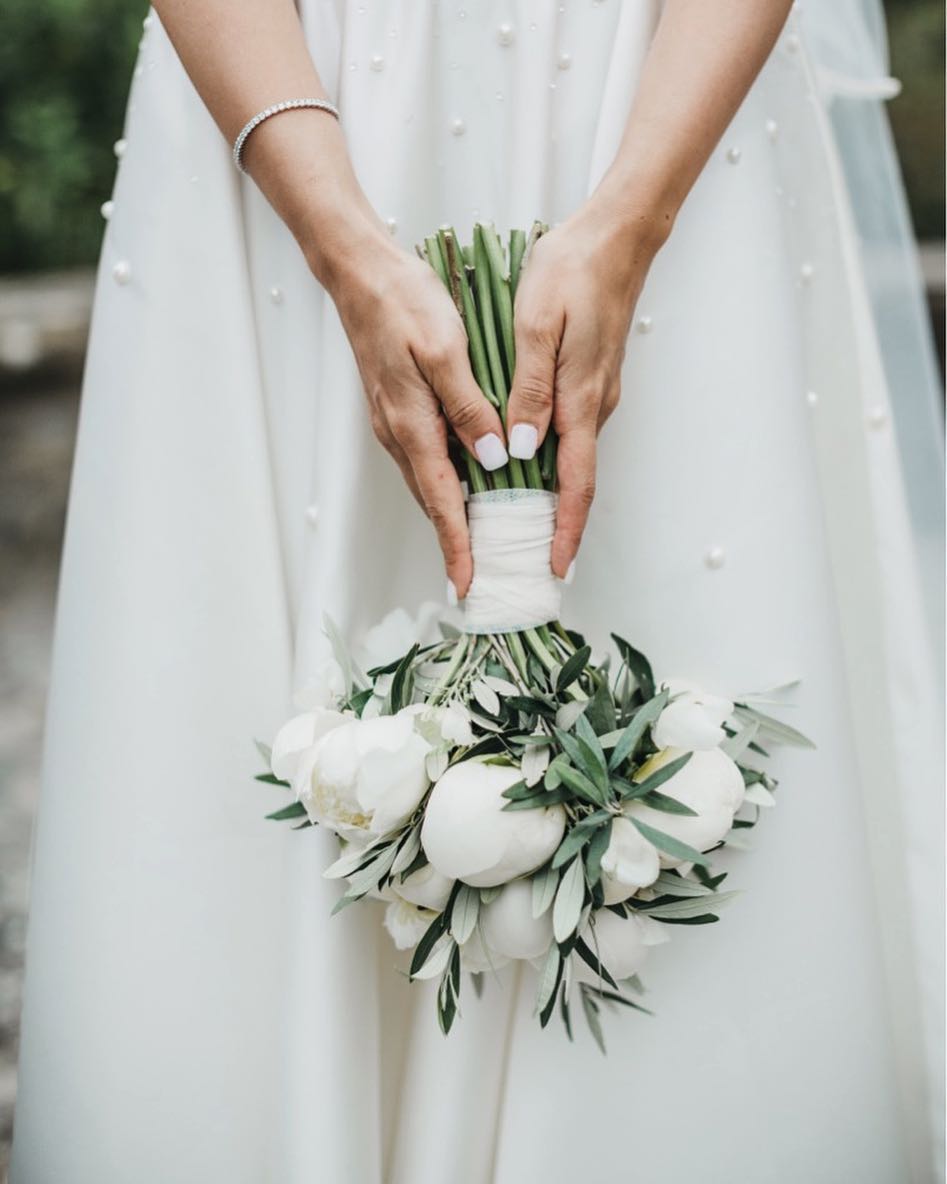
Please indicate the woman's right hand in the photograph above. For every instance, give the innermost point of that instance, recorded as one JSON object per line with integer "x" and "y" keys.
{"x": 411, "y": 348}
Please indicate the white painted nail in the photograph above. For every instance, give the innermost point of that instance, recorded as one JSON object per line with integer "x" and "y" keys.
{"x": 490, "y": 452}
{"x": 570, "y": 573}
{"x": 451, "y": 594}
{"x": 523, "y": 441}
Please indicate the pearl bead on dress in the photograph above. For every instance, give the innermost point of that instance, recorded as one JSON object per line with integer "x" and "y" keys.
{"x": 733, "y": 155}
{"x": 122, "y": 272}
{"x": 106, "y": 209}
{"x": 119, "y": 148}
{"x": 392, "y": 225}
{"x": 806, "y": 272}
{"x": 812, "y": 398}
{"x": 505, "y": 34}
{"x": 772, "y": 129}
{"x": 276, "y": 295}
{"x": 377, "y": 62}
{"x": 644, "y": 324}
{"x": 565, "y": 61}
{"x": 715, "y": 558}
{"x": 458, "y": 127}
{"x": 877, "y": 418}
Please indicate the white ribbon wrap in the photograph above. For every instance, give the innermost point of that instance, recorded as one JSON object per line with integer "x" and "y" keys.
{"x": 513, "y": 585}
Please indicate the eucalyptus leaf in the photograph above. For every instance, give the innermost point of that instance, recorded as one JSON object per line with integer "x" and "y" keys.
{"x": 643, "y": 718}
{"x": 590, "y": 1008}
{"x": 545, "y": 884}
{"x": 573, "y": 667}
{"x": 486, "y": 696}
{"x": 659, "y": 776}
{"x": 773, "y": 728}
{"x": 695, "y": 907}
{"x": 569, "y": 898}
{"x": 638, "y": 664}
{"x": 265, "y": 751}
{"x": 407, "y": 852}
{"x": 735, "y": 746}
{"x": 670, "y": 884}
{"x": 548, "y": 978}
{"x": 568, "y": 713}
{"x": 464, "y": 913}
{"x": 661, "y": 801}
{"x": 501, "y": 686}
{"x": 293, "y": 810}
{"x": 670, "y": 845}
{"x": 437, "y": 962}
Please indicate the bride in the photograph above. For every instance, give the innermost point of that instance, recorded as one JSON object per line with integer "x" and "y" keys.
{"x": 192, "y": 1012}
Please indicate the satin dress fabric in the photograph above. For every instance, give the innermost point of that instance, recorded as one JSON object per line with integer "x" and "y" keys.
{"x": 193, "y": 1014}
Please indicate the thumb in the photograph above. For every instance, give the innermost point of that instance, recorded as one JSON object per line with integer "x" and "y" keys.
{"x": 531, "y": 395}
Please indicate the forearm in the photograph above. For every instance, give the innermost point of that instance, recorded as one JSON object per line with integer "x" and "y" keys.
{"x": 244, "y": 57}
{"x": 703, "y": 60}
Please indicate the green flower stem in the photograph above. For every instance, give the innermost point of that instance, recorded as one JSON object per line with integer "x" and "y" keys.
{"x": 503, "y": 307}
{"x": 517, "y": 250}
{"x": 538, "y": 646}
{"x": 519, "y": 655}
{"x": 482, "y": 280}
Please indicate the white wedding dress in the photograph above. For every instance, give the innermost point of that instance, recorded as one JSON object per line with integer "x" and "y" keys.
{"x": 193, "y": 1015}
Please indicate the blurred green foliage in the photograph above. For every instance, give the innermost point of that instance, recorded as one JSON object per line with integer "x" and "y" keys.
{"x": 916, "y": 37}
{"x": 65, "y": 67}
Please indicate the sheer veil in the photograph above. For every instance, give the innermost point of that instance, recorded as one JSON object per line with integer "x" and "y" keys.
{"x": 848, "y": 45}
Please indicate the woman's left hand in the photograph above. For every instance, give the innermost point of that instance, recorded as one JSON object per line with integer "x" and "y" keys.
{"x": 572, "y": 314}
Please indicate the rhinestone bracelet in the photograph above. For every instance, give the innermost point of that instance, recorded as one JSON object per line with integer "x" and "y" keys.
{"x": 289, "y": 105}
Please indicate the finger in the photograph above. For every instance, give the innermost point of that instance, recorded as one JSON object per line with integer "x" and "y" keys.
{"x": 609, "y": 403}
{"x": 576, "y": 469}
{"x": 531, "y": 396}
{"x": 442, "y": 498}
{"x": 472, "y": 416}
{"x": 400, "y": 457}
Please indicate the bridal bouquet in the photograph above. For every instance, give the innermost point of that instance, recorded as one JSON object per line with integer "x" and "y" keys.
{"x": 508, "y": 794}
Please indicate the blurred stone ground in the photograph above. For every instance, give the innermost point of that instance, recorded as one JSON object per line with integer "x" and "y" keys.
{"x": 43, "y": 326}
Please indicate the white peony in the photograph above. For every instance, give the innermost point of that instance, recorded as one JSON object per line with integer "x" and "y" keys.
{"x": 444, "y": 727}
{"x": 476, "y": 957}
{"x": 692, "y": 720}
{"x": 298, "y": 735}
{"x": 364, "y": 775}
{"x": 326, "y": 685}
{"x": 509, "y": 926}
{"x": 406, "y": 923}
{"x": 630, "y": 862}
{"x": 467, "y": 835}
{"x": 710, "y": 783}
{"x": 396, "y": 633}
{"x": 426, "y": 887}
{"x": 621, "y": 944}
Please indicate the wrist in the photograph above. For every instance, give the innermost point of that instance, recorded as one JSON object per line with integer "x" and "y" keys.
{"x": 338, "y": 232}
{"x": 638, "y": 213}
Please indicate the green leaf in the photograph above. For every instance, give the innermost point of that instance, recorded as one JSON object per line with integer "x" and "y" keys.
{"x": 581, "y": 785}
{"x": 590, "y": 958}
{"x": 542, "y": 799}
{"x": 597, "y": 849}
{"x": 643, "y": 718}
{"x": 600, "y": 711}
{"x": 574, "y": 840}
{"x": 368, "y": 876}
{"x": 545, "y": 883}
{"x": 590, "y": 1008}
{"x": 670, "y": 883}
{"x": 572, "y": 668}
{"x": 569, "y": 899}
{"x": 774, "y": 728}
{"x": 400, "y": 694}
{"x": 659, "y": 777}
{"x": 669, "y": 805}
{"x": 695, "y": 907}
{"x": 428, "y": 941}
{"x": 616, "y": 997}
{"x": 735, "y": 746}
{"x": 670, "y": 845}
{"x": 272, "y": 779}
{"x": 638, "y": 664}
{"x": 464, "y": 913}
{"x": 549, "y": 979}
{"x": 596, "y": 755}
{"x": 265, "y": 751}
{"x": 294, "y": 810}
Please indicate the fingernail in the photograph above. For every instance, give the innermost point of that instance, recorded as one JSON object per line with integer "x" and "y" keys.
{"x": 451, "y": 594}
{"x": 523, "y": 441}
{"x": 490, "y": 452}
{"x": 570, "y": 573}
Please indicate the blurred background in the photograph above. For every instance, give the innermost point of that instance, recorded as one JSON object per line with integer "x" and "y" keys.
{"x": 65, "y": 66}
